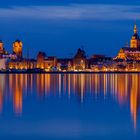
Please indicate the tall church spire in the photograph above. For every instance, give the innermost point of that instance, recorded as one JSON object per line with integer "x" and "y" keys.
{"x": 135, "y": 29}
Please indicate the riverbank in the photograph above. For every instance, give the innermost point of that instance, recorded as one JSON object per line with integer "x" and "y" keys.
{"x": 68, "y": 72}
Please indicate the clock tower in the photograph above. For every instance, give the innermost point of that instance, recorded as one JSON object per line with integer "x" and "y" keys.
{"x": 135, "y": 40}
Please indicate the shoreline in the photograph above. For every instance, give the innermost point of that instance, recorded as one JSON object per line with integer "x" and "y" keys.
{"x": 78, "y": 72}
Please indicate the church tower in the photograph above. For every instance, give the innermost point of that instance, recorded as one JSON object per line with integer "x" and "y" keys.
{"x": 17, "y": 48}
{"x": 135, "y": 41}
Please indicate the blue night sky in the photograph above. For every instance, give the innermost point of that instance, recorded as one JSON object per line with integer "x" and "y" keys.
{"x": 59, "y": 27}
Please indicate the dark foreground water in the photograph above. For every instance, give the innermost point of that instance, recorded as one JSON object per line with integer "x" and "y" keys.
{"x": 69, "y": 106}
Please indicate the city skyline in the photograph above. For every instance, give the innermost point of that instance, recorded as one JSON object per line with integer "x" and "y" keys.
{"x": 60, "y": 28}
{"x": 127, "y": 59}
{"x": 69, "y": 69}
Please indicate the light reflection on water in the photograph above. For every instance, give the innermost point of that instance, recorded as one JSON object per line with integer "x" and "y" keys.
{"x": 123, "y": 88}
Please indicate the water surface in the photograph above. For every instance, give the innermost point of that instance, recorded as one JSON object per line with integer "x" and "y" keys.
{"x": 69, "y": 106}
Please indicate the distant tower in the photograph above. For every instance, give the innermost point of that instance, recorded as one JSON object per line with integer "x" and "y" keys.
{"x": 1, "y": 47}
{"x": 17, "y": 48}
{"x": 135, "y": 41}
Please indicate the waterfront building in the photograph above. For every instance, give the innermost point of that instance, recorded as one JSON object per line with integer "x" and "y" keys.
{"x": 64, "y": 64}
{"x": 50, "y": 63}
{"x": 40, "y": 60}
{"x": 17, "y": 65}
{"x": 23, "y": 64}
{"x": 46, "y": 63}
{"x": 79, "y": 60}
{"x": 100, "y": 62}
{"x": 3, "y": 63}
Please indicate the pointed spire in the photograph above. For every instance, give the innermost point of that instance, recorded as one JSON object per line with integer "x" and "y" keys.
{"x": 135, "y": 29}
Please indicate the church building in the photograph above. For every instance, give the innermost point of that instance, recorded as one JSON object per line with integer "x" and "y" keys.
{"x": 131, "y": 52}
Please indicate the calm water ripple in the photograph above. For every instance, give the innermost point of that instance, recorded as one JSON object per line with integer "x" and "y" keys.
{"x": 69, "y": 106}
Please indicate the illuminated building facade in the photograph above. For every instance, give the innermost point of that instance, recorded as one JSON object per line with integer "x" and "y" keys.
{"x": 135, "y": 41}
{"x": 17, "y": 48}
{"x": 46, "y": 63}
{"x": 50, "y": 63}
{"x": 21, "y": 65}
{"x": 100, "y": 62}
{"x": 132, "y": 52}
{"x": 80, "y": 61}
{"x": 64, "y": 64}
{"x": 3, "y": 52}
{"x": 40, "y": 60}
{"x": 1, "y": 47}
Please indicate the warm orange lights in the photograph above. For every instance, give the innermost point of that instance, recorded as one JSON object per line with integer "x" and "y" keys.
{"x": 122, "y": 87}
{"x": 17, "y": 48}
{"x": 17, "y": 100}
